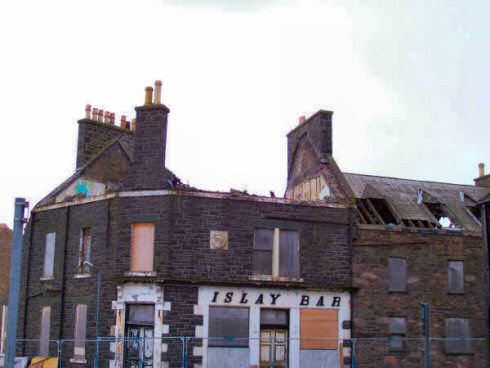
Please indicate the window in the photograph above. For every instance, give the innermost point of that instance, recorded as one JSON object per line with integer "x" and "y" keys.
{"x": 398, "y": 330}
{"x": 276, "y": 252}
{"x": 84, "y": 250}
{"x": 80, "y": 331}
{"x": 142, "y": 239}
{"x": 228, "y": 326}
{"x": 45, "y": 329}
{"x": 455, "y": 275}
{"x": 397, "y": 274}
{"x": 319, "y": 324}
{"x": 3, "y": 335}
{"x": 458, "y": 328}
{"x": 49, "y": 255}
{"x": 441, "y": 213}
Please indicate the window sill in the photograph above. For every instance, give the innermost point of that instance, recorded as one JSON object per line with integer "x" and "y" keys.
{"x": 140, "y": 273}
{"x": 275, "y": 278}
{"x": 46, "y": 278}
{"x": 467, "y": 353}
{"x": 453, "y": 293}
{"x": 78, "y": 360}
{"x": 82, "y": 276}
{"x": 398, "y": 291}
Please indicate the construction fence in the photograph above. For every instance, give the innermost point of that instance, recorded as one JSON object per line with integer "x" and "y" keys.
{"x": 263, "y": 352}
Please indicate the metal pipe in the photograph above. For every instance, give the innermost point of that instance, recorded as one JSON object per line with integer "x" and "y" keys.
{"x": 426, "y": 331}
{"x": 14, "y": 288}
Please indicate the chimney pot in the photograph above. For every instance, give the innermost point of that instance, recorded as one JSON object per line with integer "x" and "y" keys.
{"x": 88, "y": 110}
{"x": 302, "y": 119}
{"x": 107, "y": 115}
{"x": 112, "y": 118}
{"x": 123, "y": 121}
{"x": 95, "y": 114}
{"x": 101, "y": 116}
{"x": 148, "y": 95}
{"x": 133, "y": 125}
{"x": 158, "y": 93}
{"x": 481, "y": 167}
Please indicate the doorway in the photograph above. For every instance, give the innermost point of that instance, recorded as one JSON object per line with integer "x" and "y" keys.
{"x": 138, "y": 347}
{"x": 274, "y": 342}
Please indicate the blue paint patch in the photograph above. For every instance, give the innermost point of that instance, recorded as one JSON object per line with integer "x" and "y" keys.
{"x": 82, "y": 188}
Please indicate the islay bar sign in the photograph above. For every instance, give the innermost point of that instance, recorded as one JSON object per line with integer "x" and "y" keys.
{"x": 275, "y": 299}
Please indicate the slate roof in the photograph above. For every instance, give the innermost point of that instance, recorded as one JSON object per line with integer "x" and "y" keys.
{"x": 403, "y": 194}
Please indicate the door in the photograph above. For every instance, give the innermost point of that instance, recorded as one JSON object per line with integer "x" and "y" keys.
{"x": 274, "y": 348}
{"x": 138, "y": 348}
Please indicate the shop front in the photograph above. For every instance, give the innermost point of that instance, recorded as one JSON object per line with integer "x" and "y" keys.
{"x": 257, "y": 327}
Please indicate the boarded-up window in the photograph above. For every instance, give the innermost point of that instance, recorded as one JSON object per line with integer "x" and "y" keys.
{"x": 142, "y": 240}
{"x": 288, "y": 253}
{"x": 397, "y": 274}
{"x": 398, "y": 331}
{"x": 80, "y": 330}
{"x": 85, "y": 250}
{"x": 317, "y": 324}
{"x": 49, "y": 255}
{"x": 455, "y": 274}
{"x": 458, "y": 328}
{"x": 141, "y": 314}
{"x": 3, "y": 335}
{"x": 45, "y": 328}
{"x": 262, "y": 253}
{"x": 228, "y": 327}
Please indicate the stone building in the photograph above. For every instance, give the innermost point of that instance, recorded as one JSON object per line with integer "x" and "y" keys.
{"x": 415, "y": 241}
{"x": 177, "y": 261}
{"x": 5, "y": 246}
{"x": 249, "y": 279}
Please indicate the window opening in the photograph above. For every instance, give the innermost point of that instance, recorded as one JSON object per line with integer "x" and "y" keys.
{"x": 45, "y": 329}
{"x": 458, "y": 328}
{"x": 274, "y": 332}
{"x": 84, "y": 250}
{"x": 80, "y": 331}
{"x": 455, "y": 274}
{"x": 49, "y": 255}
{"x": 441, "y": 214}
{"x": 317, "y": 324}
{"x": 397, "y": 274}
{"x": 397, "y": 333}
{"x": 142, "y": 246}
{"x": 138, "y": 348}
{"x": 228, "y": 327}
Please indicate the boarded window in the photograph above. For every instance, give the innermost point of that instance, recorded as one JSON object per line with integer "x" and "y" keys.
{"x": 398, "y": 329}
{"x": 80, "y": 330}
{"x": 3, "y": 335}
{"x": 455, "y": 274}
{"x": 228, "y": 327}
{"x": 142, "y": 240}
{"x": 458, "y": 328}
{"x": 317, "y": 324}
{"x": 397, "y": 274}
{"x": 45, "y": 328}
{"x": 141, "y": 314}
{"x": 288, "y": 253}
{"x": 49, "y": 255}
{"x": 262, "y": 251}
{"x": 85, "y": 250}
{"x": 274, "y": 318}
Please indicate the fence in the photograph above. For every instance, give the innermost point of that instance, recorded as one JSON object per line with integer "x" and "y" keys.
{"x": 270, "y": 352}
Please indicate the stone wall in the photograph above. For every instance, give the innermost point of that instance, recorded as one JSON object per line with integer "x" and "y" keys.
{"x": 427, "y": 257}
{"x": 5, "y": 246}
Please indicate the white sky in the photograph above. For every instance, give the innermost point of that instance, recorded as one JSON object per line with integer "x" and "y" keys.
{"x": 408, "y": 83}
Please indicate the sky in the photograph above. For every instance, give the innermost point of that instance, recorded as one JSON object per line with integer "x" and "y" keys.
{"x": 408, "y": 82}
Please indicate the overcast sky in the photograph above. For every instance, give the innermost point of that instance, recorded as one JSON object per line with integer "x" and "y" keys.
{"x": 408, "y": 82}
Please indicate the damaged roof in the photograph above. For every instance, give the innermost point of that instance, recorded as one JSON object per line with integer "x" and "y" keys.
{"x": 414, "y": 199}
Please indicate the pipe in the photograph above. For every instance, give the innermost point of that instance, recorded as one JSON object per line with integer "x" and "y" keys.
{"x": 14, "y": 288}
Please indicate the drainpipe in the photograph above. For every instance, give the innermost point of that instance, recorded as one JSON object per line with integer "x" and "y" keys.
{"x": 14, "y": 288}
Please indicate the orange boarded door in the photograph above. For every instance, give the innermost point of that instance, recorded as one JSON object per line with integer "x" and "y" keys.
{"x": 319, "y": 324}
{"x": 142, "y": 246}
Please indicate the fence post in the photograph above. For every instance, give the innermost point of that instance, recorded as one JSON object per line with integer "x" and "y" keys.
{"x": 426, "y": 332}
{"x": 60, "y": 349}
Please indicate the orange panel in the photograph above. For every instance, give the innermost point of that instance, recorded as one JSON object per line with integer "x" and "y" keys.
{"x": 319, "y": 324}
{"x": 142, "y": 239}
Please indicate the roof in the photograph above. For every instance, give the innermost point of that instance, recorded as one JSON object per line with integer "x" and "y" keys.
{"x": 402, "y": 194}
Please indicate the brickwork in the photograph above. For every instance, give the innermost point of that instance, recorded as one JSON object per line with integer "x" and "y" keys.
{"x": 94, "y": 136}
{"x": 427, "y": 257}
{"x": 5, "y": 246}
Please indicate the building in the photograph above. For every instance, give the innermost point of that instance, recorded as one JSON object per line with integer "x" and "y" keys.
{"x": 415, "y": 241}
{"x": 5, "y": 246}
{"x": 176, "y": 261}
{"x": 239, "y": 280}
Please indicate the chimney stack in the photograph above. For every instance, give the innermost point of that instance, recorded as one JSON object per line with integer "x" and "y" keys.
{"x": 481, "y": 169}
{"x": 148, "y": 169}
